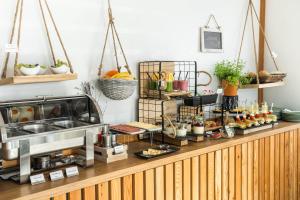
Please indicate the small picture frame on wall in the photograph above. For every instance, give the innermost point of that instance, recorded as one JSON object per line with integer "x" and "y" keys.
{"x": 211, "y": 38}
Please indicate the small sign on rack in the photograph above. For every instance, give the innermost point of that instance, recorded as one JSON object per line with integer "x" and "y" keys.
{"x": 37, "y": 179}
{"x": 72, "y": 171}
{"x": 56, "y": 175}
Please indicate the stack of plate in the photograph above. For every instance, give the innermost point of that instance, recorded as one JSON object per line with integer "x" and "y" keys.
{"x": 291, "y": 116}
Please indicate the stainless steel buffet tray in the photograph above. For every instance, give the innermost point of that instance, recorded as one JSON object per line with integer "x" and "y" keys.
{"x": 47, "y": 137}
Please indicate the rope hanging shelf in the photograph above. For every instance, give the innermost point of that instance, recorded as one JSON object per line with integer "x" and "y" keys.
{"x": 277, "y": 77}
{"x": 51, "y": 76}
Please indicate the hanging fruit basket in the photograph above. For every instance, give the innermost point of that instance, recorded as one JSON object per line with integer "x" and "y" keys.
{"x": 115, "y": 84}
{"x": 30, "y": 73}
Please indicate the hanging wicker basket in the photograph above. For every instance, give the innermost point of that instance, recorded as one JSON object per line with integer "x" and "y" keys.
{"x": 116, "y": 89}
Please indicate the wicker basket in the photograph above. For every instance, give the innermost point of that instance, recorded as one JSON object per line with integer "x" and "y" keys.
{"x": 117, "y": 89}
{"x": 273, "y": 78}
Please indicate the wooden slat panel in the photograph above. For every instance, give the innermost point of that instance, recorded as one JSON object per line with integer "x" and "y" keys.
{"x": 272, "y": 167}
{"x": 282, "y": 165}
{"x": 211, "y": 176}
{"x": 187, "y": 179}
{"x": 231, "y": 173}
{"x": 296, "y": 163}
{"x": 60, "y": 197}
{"x": 138, "y": 186}
{"x": 159, "y": 183}
{"x": 90, "y": 193}
{"x": 286, "y": 165}
{"x": 149, "y": 184}
{"x": 256, "y": 169}
{"x": 127, "y": 188}
{"x": 277, "y": 168}
{"x": 178, "y": 180}
{"x": 75, "y": 195}
{"x": 195, "y": 178}
{"x": 203, "y": 176}
{"x": 238, "y": 172}
{"x": 267, "y": 168}
{"x": 298, "y": 158}
{"x": 225, "y": 174}
{"x": 244, "y": 171}
{"x": 169, "y": 181}
{"x": 291, "y": 166}
{"x": 250, "y": 171}
{"x": 103, "y": 191}
{"x": 218, "y": 175}
{"x": 115, "y": 189}
{"x": 261, "y": 168}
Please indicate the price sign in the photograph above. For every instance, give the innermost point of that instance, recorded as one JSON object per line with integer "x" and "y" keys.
{"x": 72, "y": 171}
{"x": 119, "y": 149}
{"x": 57, "y": 175}
{"x": 37, "y": 179}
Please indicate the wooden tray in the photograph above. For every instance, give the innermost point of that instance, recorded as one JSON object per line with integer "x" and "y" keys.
{"x": 173, "y": 141}
{"x": 37, "y": 79}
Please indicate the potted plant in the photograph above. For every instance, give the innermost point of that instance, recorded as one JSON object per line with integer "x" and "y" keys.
{"x": 229, "y": 74}
{"x": 29, "y": 69}
{"x": 60, "y": 67}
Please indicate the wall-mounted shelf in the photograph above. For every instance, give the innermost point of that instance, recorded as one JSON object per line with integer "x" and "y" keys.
{"x": 262, "y": 85}
{"x": 37, "y": 79}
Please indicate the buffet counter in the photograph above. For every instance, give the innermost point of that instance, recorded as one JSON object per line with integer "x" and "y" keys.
{"x": 261, "y": 165}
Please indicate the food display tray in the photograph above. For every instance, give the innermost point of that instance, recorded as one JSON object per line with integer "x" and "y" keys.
{"x": 246, "y": 131}
{"x": 169, "y": 150}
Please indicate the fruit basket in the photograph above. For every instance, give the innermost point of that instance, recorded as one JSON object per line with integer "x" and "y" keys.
{"x": 115, "y": 84}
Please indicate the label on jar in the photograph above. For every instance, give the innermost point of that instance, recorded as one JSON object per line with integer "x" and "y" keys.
{"x": 37, "y": 179}
{"x": 57, "y": 175}
{"x": 72, "y": 171}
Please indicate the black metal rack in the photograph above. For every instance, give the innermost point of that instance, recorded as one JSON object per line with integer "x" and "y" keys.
{"x": 184, "y": 70}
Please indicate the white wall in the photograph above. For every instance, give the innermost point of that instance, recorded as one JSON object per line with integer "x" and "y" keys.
{"x": 283, "y": 30}
{"x": 150, "y": 30}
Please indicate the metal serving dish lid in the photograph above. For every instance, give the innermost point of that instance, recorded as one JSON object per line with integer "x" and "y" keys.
{"x": 51, "y": 114}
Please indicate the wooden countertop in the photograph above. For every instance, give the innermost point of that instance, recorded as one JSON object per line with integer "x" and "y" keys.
{"x": 101, "y": 172}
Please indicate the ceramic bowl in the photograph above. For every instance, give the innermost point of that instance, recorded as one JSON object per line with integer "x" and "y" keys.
{"x": 30, "y": 71}
{"x": 60, "y": 70}
{"x": 43, "y": 70}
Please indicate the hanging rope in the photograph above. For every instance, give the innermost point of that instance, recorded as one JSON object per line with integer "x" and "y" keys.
{"x": 252, "y": 11}
{"x": 47, "y": 31}
{"x": 19, "y": 11}
{"x": 116, "y": 40}
{"x": 4, "y": 72}
{"x": 214, "y": 18}
{"x": 59, "y": 37}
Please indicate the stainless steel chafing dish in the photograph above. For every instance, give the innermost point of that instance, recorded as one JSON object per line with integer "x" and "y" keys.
{"x": 42, "y": 125}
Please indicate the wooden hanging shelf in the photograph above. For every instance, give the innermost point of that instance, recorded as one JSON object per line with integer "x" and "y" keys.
{"x": 262, "y": 85}
{"x": 37, "y": 79}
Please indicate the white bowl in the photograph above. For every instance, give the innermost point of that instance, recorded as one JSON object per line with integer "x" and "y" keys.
{"x": 43, "y": 70}
{"x": 181, "y": 132}
{"x": 30, "y": 71}
{"x": 60, "y": 70}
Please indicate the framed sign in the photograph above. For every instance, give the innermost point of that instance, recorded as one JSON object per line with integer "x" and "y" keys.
{"x": 211, "y": 40}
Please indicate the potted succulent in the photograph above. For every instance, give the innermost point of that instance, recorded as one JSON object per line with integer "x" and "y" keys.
{"x": 60, "y": 67}
{"x": 29, "y": 69}
{"x": 229, "y": 74}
